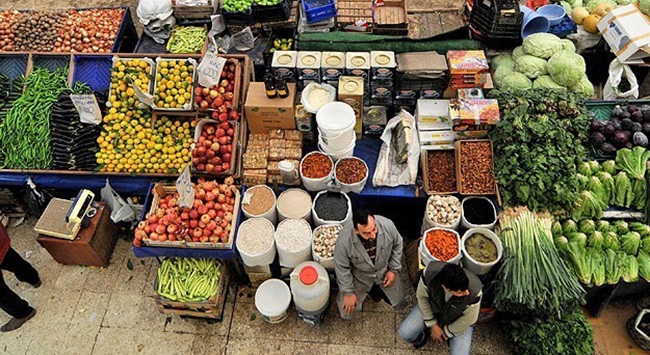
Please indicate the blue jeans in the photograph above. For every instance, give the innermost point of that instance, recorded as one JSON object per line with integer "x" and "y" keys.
{"x": 413, "y": 327}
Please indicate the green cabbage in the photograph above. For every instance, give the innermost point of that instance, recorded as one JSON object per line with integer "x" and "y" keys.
{"x": 516, "y": 81}
{"x": 587, "y": 226}
{"x": 542, "y": 45}
{"x": 501, "y": 59}
{"x": 566, "y": 68}
{"x": 517, "y": 52}
{"x": 583, "y": 87}
{"x": 569, "y": 226}
{"x": 531, "y": 66}
{"x": 644, "y": 6}
{"x": 611, "y": 241}
{"x": 567, "y": 44}
{"x": 597, "y": 266}
{"x": 545, "y": 81}
{"x": 502, "y": 72}
{"x": 630, "y": 243}
{"x": 644, "y": 265}
{"x": 625, "y": 2}
{"x": 591, "y": 4}
{"x": 574, "y": 3}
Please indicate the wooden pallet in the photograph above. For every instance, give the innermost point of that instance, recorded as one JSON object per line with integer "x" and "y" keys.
{"x": 195, "y": 12}
{"x": 351, "y": 11}
{"x": 390, "y": 18}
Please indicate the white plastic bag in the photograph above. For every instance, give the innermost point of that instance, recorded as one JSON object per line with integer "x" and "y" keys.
{"x": 120, "y": 210}
{"x": 244, "y": 40}
{"x": 151, "y": 10}
{"x": 160, "y": 30}
{"x": 584, "y": 40}
{"x": 388, "y": 173}
{"x": 616, "y": 72}
{"x": 311, "y": 106}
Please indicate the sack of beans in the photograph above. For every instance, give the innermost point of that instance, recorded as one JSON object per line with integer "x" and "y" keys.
{"x": 331, "y": 208}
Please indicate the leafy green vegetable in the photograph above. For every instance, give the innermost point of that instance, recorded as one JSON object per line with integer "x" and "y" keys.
{"x": 584, "y": 168}
{"x": 640, "y": 192}
{"x": 566, "y": 68}
{"x": 645, "y": 245}
{"x": 597, "y": 265}
{"x": 516, "y": 81}
{"x": 584, "y": 86}
{"x": 611, "y": 241}
{"x": 556, "y": 229}
{"x": 621, "y": 227}
{"x": 583, "y": 181}
{"x": 644, "y": 265}
{"x": 503, "y": 72}
{"x": 567, "y": 44}
{"x": 501, "y": 58}
{"x": 596, "y": 240}
{"x": 630, "y": 269}
{"x": 561, "y": 243}
{"x": 579, "y": 238}
{"x": 569, "y": 226}
{"x": 531, "y": 66}
{"x": 594, "y": 167}
{"x": 588, "y": 205}
{"x": 630, "y": 243}
{"x": 633, "y": 161}
{"x": 542, "y": 45}
{"x": 607, "y": 181}
{"x": 587, "y": 226}
{"x": 545, "y": 81}
{"x": 641, "y": 228}
{"x": 609, "y": 166}
{"x": 598, "y": 189}
{"x": 623, "y": 194}
{"x": 603, "y": 226}
{"x": 612, "y": 273}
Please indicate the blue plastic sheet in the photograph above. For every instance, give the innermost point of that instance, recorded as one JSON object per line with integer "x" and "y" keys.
{"x": 128, "y": 185}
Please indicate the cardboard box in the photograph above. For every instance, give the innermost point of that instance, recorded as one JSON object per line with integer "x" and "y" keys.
{"x": 433, "y": 115}
{"x": 436, "y": 137}
{"x": 263, "y": 113}
{"x": 474, "y": 112}
{"x": 627, "y": 32}
{"x": 351, "y": 91}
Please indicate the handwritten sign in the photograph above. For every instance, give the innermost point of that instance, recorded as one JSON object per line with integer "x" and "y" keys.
{"x": 185, "y": 188}
{"x": 87, "y": 108}
{"x": 145, "y": 98}
{"x": 210, "y": 70}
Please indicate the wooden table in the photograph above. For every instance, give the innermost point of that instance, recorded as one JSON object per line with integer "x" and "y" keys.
{"x": 93, "y": 245}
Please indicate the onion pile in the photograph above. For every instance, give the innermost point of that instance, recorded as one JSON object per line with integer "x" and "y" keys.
{"x": 90, "y": 31}
{"x": 6, "y": 32}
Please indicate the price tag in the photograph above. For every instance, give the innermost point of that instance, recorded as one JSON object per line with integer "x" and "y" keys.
{"x": 185, "y": 188}
{"x": 87, "y": 108}
{"x": 209, "y": 70}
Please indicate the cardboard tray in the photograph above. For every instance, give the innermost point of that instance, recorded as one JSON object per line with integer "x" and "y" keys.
{"x": 188, "y": 106}
{"x": 197, "y": 134}
{"x": 458, "y": 145}
{"x": 236, "y": 90}
{"x": 152, "y": 64}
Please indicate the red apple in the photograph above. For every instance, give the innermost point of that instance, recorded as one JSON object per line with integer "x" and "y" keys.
{"x": 223, "y": 117}
{"x": 204, "y": 105}
{"x": 202, "y": 210}
{"x": 197, "y": 232}
{"x": 210, "y": 153}
{"x": 205, "y": 91}
{"x": 226, "y": 157}
{"x": 205, "y": 218}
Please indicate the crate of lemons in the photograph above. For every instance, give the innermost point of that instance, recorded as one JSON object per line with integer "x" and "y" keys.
{"x": 174, "y": 84}
{"x": 125, "y": 75}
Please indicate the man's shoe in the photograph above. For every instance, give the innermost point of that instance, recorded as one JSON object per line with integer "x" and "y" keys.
{"x": 15, "y": 323}
{"x": 37, "y": 285}
{"x": 422, "y": 340}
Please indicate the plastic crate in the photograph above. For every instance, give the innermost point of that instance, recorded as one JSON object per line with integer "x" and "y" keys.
{"x": 319, "y": 10}
{"x": 13, "y": 65}
{"x": 495, "y": 20}
{"x": 50, "y": 62}
{"x": 93, "y": 70}
{"x": 565, "y": 27}
{"x": 238, "y": 18}
{"x": 127, "y": 35}
{"x": 273, "y": 13}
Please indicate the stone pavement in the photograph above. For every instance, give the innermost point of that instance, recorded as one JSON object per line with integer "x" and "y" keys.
{"x": 86, "y": 310}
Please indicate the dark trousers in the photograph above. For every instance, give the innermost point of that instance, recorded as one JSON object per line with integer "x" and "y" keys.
{"x": 10, "y": 302}
{"x": 377, "y": 294}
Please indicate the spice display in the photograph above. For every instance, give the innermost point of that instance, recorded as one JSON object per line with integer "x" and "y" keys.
{"x": 325, "y": 239}
{"x": 316, "y": 166}
{"x": 331, "y": 206}
{"x": 441, "y": 169}
{"x": 442, "y": 244}
{"x": 187, "y": 39}
{"x": 294, "y": 203}
{"x": 255, "y": 236}
{"x": 443, "y": 210}
{"x": 258, "y": 200}
{"x": 293, "y": 234}
{"x": 476, "y": 167}
{"x": 481, "y": 248}
{"x": 478, "y": 211}
{"x": 188, "y": 280}
{"x": 351, "y": 170}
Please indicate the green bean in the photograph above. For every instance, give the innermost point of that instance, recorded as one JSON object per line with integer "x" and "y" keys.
{"x": 186, "y": 39}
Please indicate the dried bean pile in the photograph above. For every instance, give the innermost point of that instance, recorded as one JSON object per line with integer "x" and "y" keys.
{"x": 325, "y": 240}
{"x": 293, "y": 234}
{"x": 294, "y": 203}
{"x": 331, "y": 206}
{"x": 255, "y": 236}
{"x": 476, "y": 167}
{"x": 316, "y": 166}
{"x": 351, "y": 170}
{"x": 441, "y": 168}
{"x": 261, "y": 200}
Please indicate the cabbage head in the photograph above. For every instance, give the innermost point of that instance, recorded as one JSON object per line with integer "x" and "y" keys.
{"x": 644, "y": 6}
{"x": 519, "y": 51}
{"x": 567, "y": 68}
{"x": 516, "y": 81}
{"x": 566, "y": 6}
{"x": 567, "y": 45}
{"x": 501, "y": 59}
{"x": 530, "y": 66}
{"x": 545, "y": 81}
{"x": 502, "y": 72}
{"x": 574, "y": 3}
{"x": 625, "y": 2}
{"x": 591, "y": 4}
{"x": 584, "y": 87}
{"x": 542, "y": 45}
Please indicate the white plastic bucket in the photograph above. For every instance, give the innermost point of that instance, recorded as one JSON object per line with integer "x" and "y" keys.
{"x": 431, "y": 224}
{"x": 425, "y": 254}
{"x": 271, "y": 214}
{"x": 335, "y": 155}
{"x": 319, "y": 221}
{"x": 291, "y": 212}
{"x": 469, "y": 225}
{"x": 316, "y": 184}
{"x": 262, "y": 259}
{"x": 272, "y": 300}
{"x": 310, "y": 287}
{"x": 357, "y": 186}
{"x": 289, "y": 258}
{"x": 474, "y": 266}
{"x": 327, "y": 263}
{"x": 336, "y": 121}
{"x": 339, "y": 142}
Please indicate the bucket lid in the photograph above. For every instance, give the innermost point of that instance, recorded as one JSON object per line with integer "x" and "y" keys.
{"x": 308, "y": 275}
{"x": 285, "y": 59}
{"x": 333, "y": 60}
{"x": 272, "y": 298}
{"x": 335, "y": 117}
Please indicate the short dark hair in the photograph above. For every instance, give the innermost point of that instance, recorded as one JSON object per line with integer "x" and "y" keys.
{"x": 360, "y": 216}
{"x": 453, "y": 277}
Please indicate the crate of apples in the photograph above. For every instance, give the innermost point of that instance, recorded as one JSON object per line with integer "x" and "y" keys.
{"x": 220, "y": 99}
{"x": 214, "y": 146}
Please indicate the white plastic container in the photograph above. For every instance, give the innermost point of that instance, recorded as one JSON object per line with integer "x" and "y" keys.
{"x": 431, "y": 224}
{"x": 357, "y": 186}
{"x": 310, "y": 287}
{"x": 316, "y": 184}
{"x": 272, "y": 300}
{"x": 291, "y": 258}
{"x": 328, "y": 263}
{"x": 469, "y": 225}
{"x": 319, "y": 221}
{"x": 339, "y": 143}
{"x": 426, "y": 256}
{"x": 292, "y": 212}
{"x": 335, "y": 122}
{"x": 263, "y": 258}
{"x": 472, "y": 265}
{"x": 271, "y": 214}
{"x": 336, "y": 155}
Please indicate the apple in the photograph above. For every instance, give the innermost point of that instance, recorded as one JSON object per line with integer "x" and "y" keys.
{"x": 209, "y": 168}
{"x": 226, "y": 166}
{"x": 209, "y": 129}
{"x": 203, "y": 105}
{"x": 226, "y": 157}
{"x": 209, "y": 154}
{"x": 197, "y": 232}
{"x": 205, "y": 218}
{"x": 202, "y": 209}
{"x": 223, "y": 140}
{"x": 215, "y": 147}
{"x": 229, "y": 96}
{"x": 205, "y": 91}
{"x": 230, "y": 132}
{"x": 200, "y": 150}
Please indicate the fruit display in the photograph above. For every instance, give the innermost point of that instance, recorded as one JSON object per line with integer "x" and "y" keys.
{"x": 236, "y": 5}
{"x": 215, "y": 146}
{"x": 210, "y": 220}
{"x": 125, "y": 74}
{"x": 174, "y": 84}
{"x": 187, "y": 279}
{"x": 131, "y": 143}
{"x": 282, "y": 44}
{"x": 627, "y": 127}
{"x": 220, "y": 98}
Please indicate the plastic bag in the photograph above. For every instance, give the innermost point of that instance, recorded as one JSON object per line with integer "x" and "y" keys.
{"x": 584, "y": 40}
{"x": 388, "y": 173}
{"x": 120, "y": 210}
{"x": 160, "y": 30}
{"x": 244, "y": 40}
{"x": 151, "y": 10}
{"x": 611, "y": 91}
{"x": 305, "y": 97}
{"x": 637, "y": 332}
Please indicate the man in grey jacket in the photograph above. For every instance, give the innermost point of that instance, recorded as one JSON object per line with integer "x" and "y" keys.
{"x": 368, "y": 257}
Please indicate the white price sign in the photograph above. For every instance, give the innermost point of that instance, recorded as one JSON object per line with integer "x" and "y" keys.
{"x": 185, "y": 188}
{"x": 87, "y": 108}
{"x": 209, "y": 69}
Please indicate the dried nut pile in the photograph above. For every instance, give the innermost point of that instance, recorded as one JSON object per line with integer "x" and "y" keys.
{"x": 261, "y": 200}
{"x": 351, "y": 170}
{"x": 476, "y": 167}
{"x": 255, "y": 236}
{"x": 443, "y": 210}
{"x": 293, "y": 235}
{"x": 441, "y": 169}
{"x": 325, "y": 240}
{"x": 316, "y": 166}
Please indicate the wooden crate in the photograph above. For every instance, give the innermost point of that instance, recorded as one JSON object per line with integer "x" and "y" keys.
{"x": 351, "y": 11}
{"x": 210, "y": 309}
{"x": 458, "y": 145}
{"x": 195, "y": 12}
{"x": 391, "y": 18}
{"x": 424, "y": 162}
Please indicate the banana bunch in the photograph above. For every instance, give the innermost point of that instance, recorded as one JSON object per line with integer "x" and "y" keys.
{"x": 188, "y": 280}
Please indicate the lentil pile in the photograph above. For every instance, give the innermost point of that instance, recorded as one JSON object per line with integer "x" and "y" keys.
{"x": 331, "y": 206}
{"x": 350, "y": 170}
{"x": 316, "y": 166}
{"x": 294, "y": 203}
{"x": 261, "y": 201}
{"x": 476, "y": 167}
{"x": 441, "y": 169}
{"x": 443, "y": 210}
{"x": 255, "y": 236}
{"x": 293, "y": 235}
{"x": 442, "y": 244}
{"x": 325, "y": 240}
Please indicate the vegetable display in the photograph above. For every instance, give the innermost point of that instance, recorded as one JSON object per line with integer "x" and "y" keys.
{"x": 187, "y": 39}
{"x": 628, "y": 126}
{"x": 125, "y": 74}
{"x": 236, "y": 5}
{"x": 188, "y": 280}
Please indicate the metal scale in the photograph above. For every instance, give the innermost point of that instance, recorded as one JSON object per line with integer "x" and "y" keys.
{"x": 64, "y": 218}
